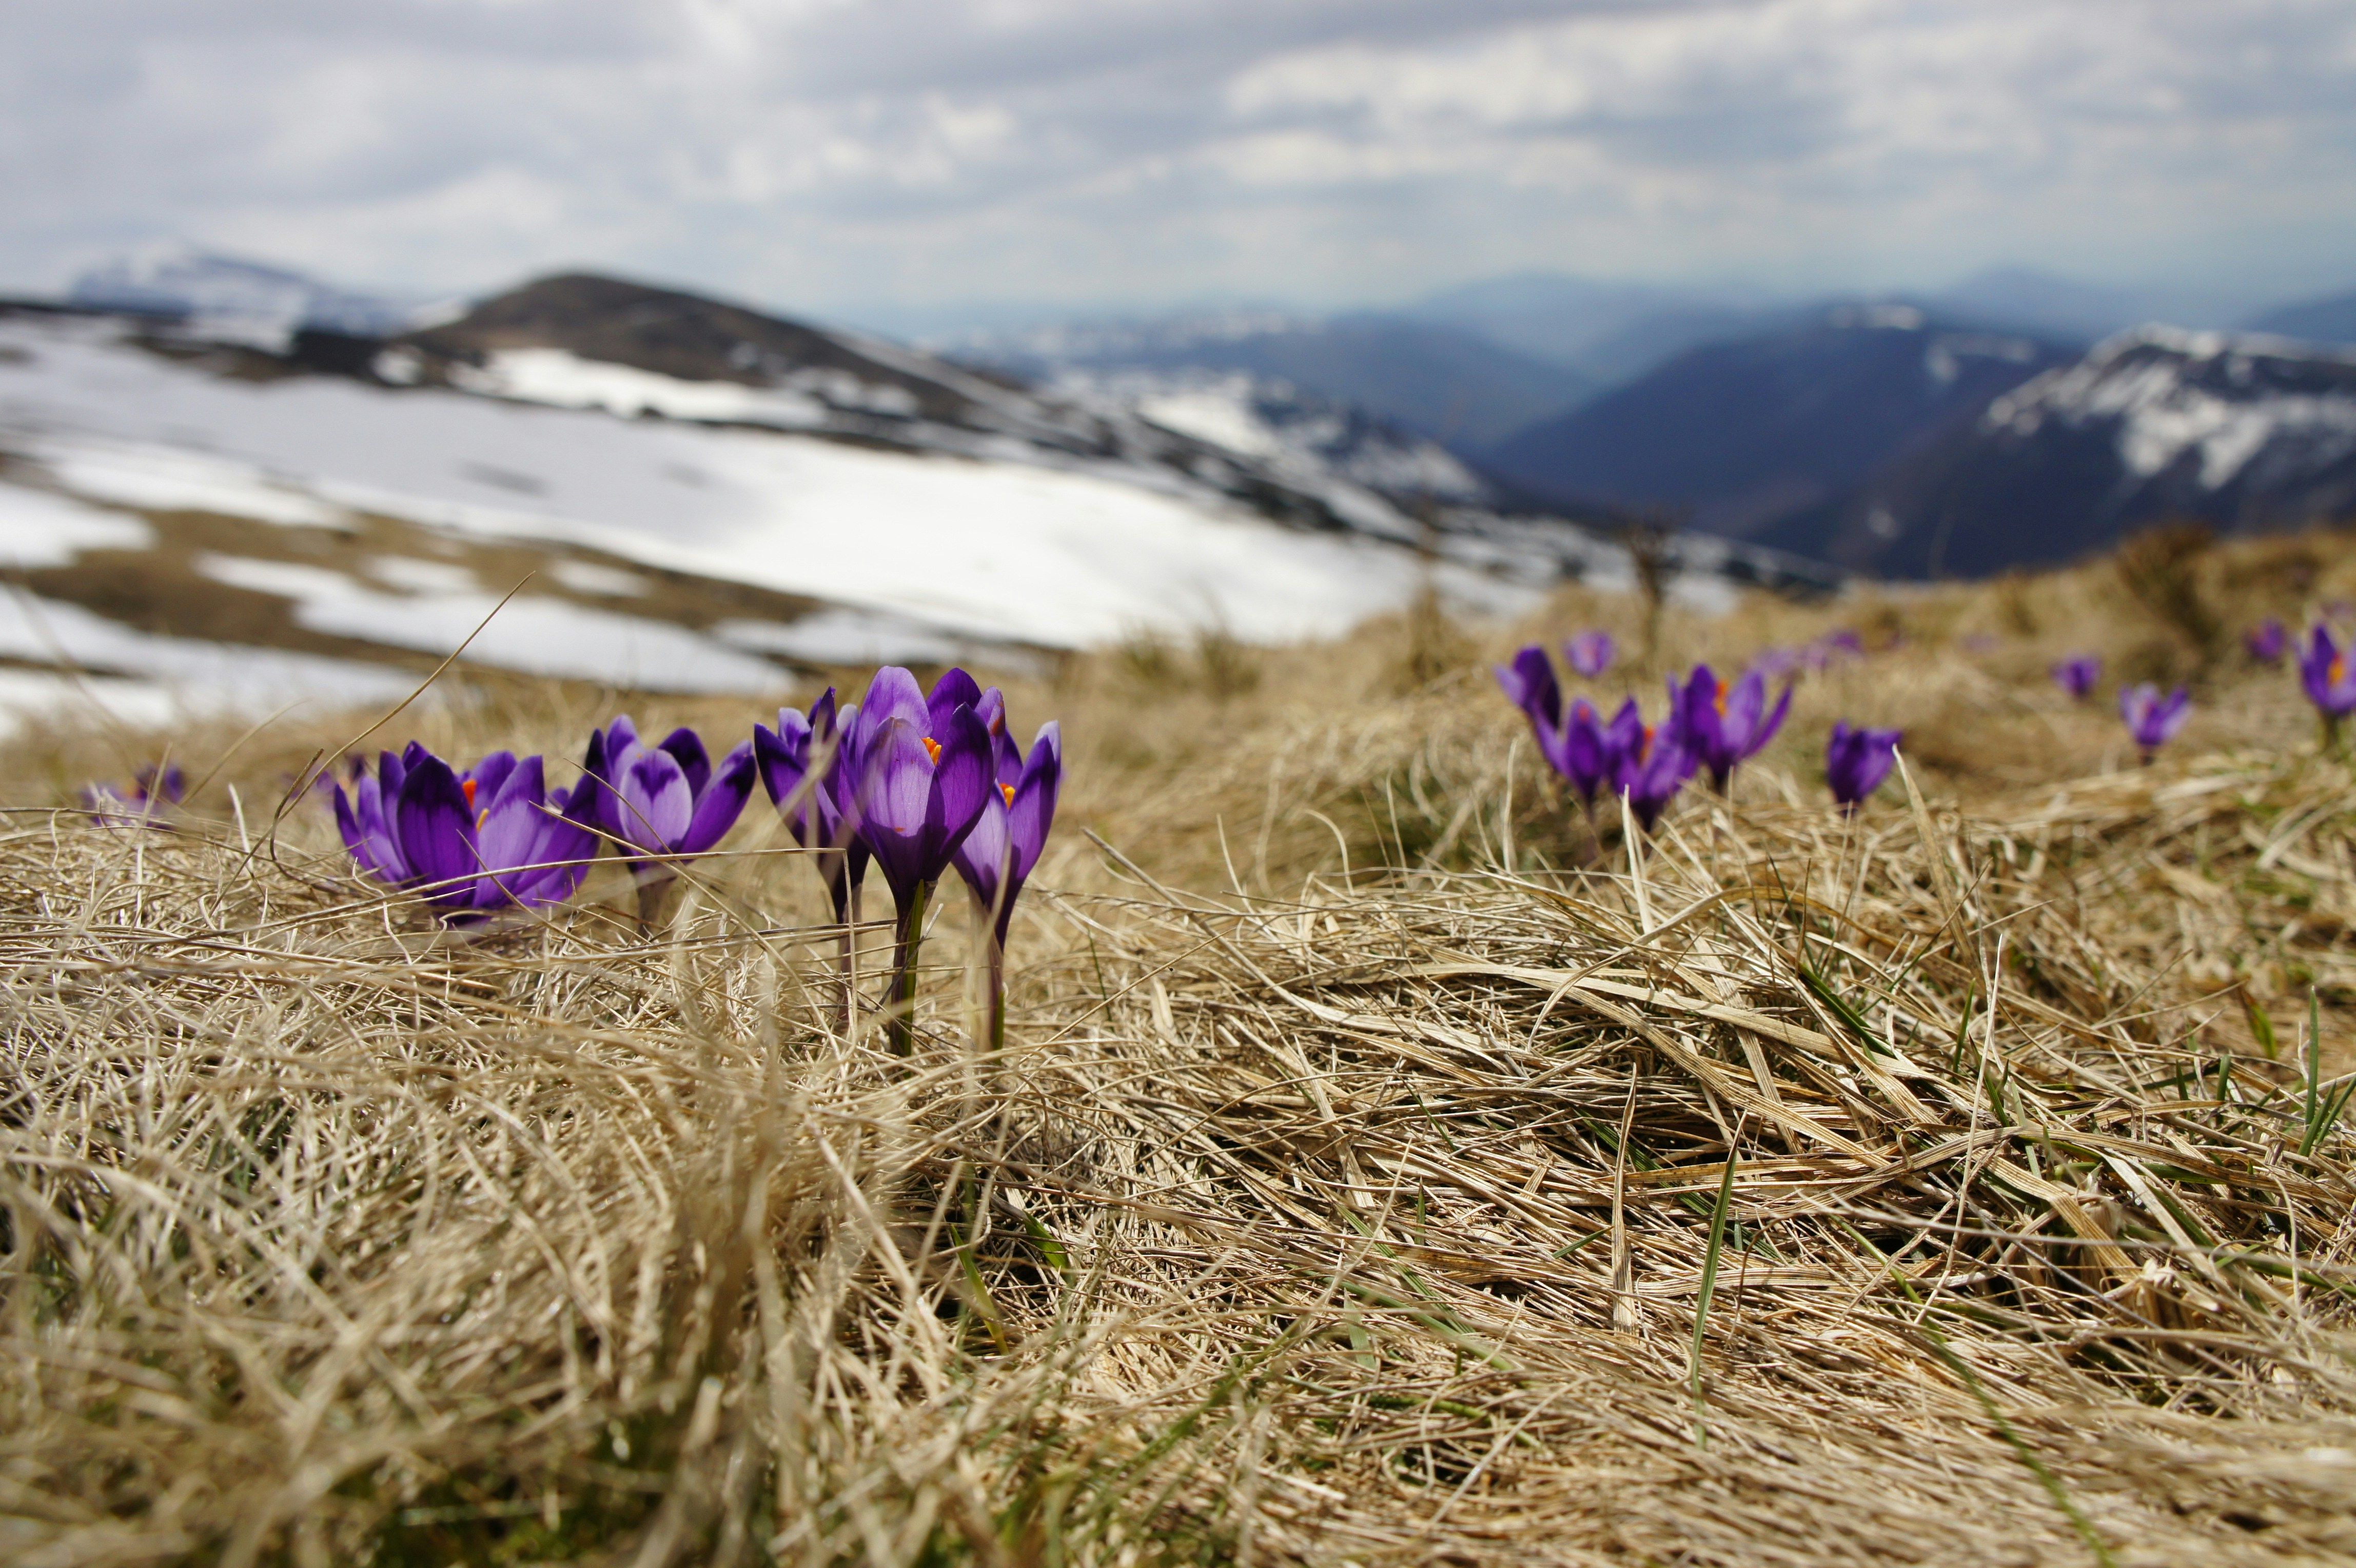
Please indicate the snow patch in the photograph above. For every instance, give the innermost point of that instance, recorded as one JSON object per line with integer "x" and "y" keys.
{"x": 41, "y": 527}
{"x": 562, "y": 379}
{"x": 193, "y": 678}
{"x": 531, "y": 635}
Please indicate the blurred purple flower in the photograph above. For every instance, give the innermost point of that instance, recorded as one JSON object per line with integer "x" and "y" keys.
{"x": 1530, "y": 684}
{"x": 1590, "y": 653}
{"x": 2078, "y": 675}
{"x": 152, "y": 793}
{"x": 1775, "y": 664}
{"x": 1584, "y": 751}
{"x": 1981, "y": 642}
{"x": 2267, "y": 643}
{"x": 664, "y": 802}
{"x": 2152, "y": 719}
{"x": 2324, "y": 670}
{"x": 469, "y": 843}
{"x": 1722, "y": 726}
{"x": 1650, "y": 769}
{"x": 1857, "y": 760}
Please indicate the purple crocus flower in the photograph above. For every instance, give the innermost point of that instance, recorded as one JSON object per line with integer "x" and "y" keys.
{"x": 1529, "y": 685}
{"x": 2323, "y": 670}
{"x": 816, "y": 807}
{"x": 2078, "y": 675}
{"x": 998, "y": 855}
{"x": 665, "y": 802}
{"x": 1651, "y": 767}
{"x": 2268, "y": 642}
{"x": 1722, "y": 726}
{"x": 470, "y": 843}
{"x": 1581, "y": 751}
{"x": 153, "y": 791}
{"x": 923, "y": 768}
{"x": 1591, "y": 652}
{"x": 1857, "y": 760}
{"x": 922, "y": 775}
{"x": 2151, "y": 718}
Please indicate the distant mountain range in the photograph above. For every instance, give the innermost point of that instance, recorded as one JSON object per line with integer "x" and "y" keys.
{"x": 2243, "y": 432}
{"x": 1522, "y": 419}
{"x": 1735, "y": 436}
{"x": 1441, "y": 381}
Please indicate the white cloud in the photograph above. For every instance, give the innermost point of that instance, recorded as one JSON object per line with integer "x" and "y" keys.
{"x": 822, "y": 152}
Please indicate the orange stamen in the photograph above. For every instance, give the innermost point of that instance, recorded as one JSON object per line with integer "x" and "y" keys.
{"x": 1721, "y": 698}
{"x": 2339, "y": 667}
{"x": 1008, "y": 789}
{"x": 933, "y": 750}
{"x": 468, "y": 786}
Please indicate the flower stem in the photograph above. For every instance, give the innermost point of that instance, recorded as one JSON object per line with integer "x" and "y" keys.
{"x": 900, "y": 1004}
{"x": 652, "y": 891}
{"x": 995, "y": 952}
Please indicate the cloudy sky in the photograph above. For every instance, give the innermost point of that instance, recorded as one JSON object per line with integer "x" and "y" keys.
{"x": 913, "y": 155}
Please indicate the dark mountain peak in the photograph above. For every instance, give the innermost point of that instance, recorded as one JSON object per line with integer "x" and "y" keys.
{"x": 667, "y": 331}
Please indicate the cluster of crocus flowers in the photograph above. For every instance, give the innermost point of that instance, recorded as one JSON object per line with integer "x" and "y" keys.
{"x": 2078, "y": 675}
{"x": 916, "y": 783}
{"x": 1708, "y": 725}
{"x": 911, "y": 783}
{"x": 469, "y": 842}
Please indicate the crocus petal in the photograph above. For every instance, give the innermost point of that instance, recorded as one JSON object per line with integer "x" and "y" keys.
{"x": 718, "y": 807}
{"x": 1032, "y": 812}
{"x": 986, "y": 858}
{"x": 894, "y": 798}
{"x": 1774, "y": 721}
{"x": 962, "y": 783}
{"x": 435, "y": 830}
{"x": 508, "y": 831}
{"x": 655, "y": 804}
{"x": 892, "y": 694}
{"x": 489, "y": 777}
{"x": 686, "y": 748}
{"x": 954, "y": 690}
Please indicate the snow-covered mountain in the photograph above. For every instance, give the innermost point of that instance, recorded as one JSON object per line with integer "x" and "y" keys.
{"x": 2242, "y": 431}
{"x": 227, "y": 299}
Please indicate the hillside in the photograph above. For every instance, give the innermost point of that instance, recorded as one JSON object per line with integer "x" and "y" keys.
{"x": 1372, "y": 1173}
{"x": 1736, "y": 436}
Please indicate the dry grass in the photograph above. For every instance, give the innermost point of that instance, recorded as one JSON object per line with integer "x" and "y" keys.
{"x": 1372, "y": 1176}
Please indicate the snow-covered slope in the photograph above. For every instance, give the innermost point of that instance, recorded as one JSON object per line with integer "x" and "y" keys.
{"x": 698, "y": 497}
{"x": 2240, "y": 431}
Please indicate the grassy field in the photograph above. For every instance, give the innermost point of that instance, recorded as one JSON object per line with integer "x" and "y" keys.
{"x": 1380, "y": 1169}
